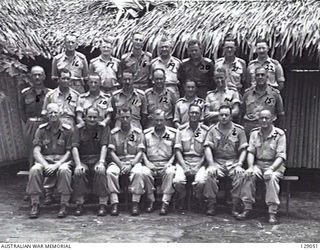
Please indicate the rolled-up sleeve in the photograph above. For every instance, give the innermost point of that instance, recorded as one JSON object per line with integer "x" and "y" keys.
{"x": 252, "y": 144}
{"x": 177, "y": 144}
{"x": 282, "y": 147}
{"x": 243, "y": 143}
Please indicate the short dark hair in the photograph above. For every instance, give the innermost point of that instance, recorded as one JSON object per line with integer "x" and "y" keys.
{"x": 189, "y": 80}
{"x": 230, "y": 39}
{"x": 226, "y": 105}
{"x": 64, "y": 70}
{"x": 158, "y": 69}
{"x": 128, "y": 71}
{"x": 262, "y": 40}
{"x": 220, "y": 70}
{"x": 258, "y": 68}
{"x": 107, "y": 40}
{"x": 193, "y": 42}
{"x": 94, "y": 74}
{"x": 195, "y": 105}
{"x": 137, "y": 33}
{"x": 124, "y": 109}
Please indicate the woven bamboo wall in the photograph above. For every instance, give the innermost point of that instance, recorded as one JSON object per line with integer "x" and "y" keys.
{"x": 302, "y": 120}
{"x": 12, "y": 147}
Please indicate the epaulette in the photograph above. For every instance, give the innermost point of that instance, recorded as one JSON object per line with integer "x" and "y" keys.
{"x": 106, "y": 94}
{"x": 275, "y": 89}
{"x": 147, "y": 130}
{"x": 59, "y": 56}
{"x": 238, "y": 126}
{"x": 274, "y": 61}
{"x": 205, "y": 127}
{"x": 138, "y": 130}
{"x": 147, "y": 91}
{"x": 115, "y": 130}
{"x": 86, "y": 94}
{"x": 124, "y": 56}
{"x": 248, "y": 89}
{"x": 254, "y": 130}
{"x": 82, "y": 56}
{"x": 252, "y": 61}
{"x": 43, "y": 125}
{"x": 181, "y": 99}
{"x": 183, "y": 126}
{"x": 171, "y": 129}
{"x": 206, "y": 59}
{"x": 171, "y": 91}
{"x": 81, "y": 125}
{"x": 148, "y": 54}
{"x": 219, "y": 59}
{"x": 211, "y": 92}
{"x": 154, "y": 60}
{"x": 241, "y": 60}
{"x": 280, "y": 131}
{"x": 116, "y": 92}
{"x": 66, "y": 126}
{"x": 94, "y": 59}
{"x": 175, "y": 58}
{"x": 141, "y": 92}
{"x": 115, "y": 59}
{"x": 185, "y": 60}
{"x": 25, "y": 90}
{"x": 74, "y": 91}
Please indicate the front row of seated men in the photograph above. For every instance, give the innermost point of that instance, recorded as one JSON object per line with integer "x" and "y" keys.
{"x": 100, "y": 156}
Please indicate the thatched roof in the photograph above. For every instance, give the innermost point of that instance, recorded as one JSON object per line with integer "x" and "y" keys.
{"x": 37, "y": 27}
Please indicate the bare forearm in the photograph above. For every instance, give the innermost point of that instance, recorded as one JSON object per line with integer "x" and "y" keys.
{"x": 64, "y": 158}
{"x": 76, "y": 156}
{"x": 250, "y": 160}
{"x": 242, "y": 156}
{"x": 276, "y": 164}
{"x": 208, "y": 155}
{"x": 180, "y": 159}
{"x": 39, "y": 157}
{"x": 137, "y": 158}
{"x": 115, "y": 158}
{"x": 103, "y": 153}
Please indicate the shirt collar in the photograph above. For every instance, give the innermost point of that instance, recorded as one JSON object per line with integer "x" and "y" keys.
{"x": 273, "y": 133}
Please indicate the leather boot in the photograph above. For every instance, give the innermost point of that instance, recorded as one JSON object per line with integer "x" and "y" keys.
{"x": 102, "y": 210}
{"x": 135, "y": 209}
{"x": 35, "y": 211}
{"x": 79, "y": 210}
{"x": 164, "y": 208}
{"x": 48, "y": 199}
{"x": 150, "y": 207}
{"x": 244, "y": 215}
{"x": 211, "y": 210}
{"x": 114, "y": 209}
{"x": 63, "y": 212}
{"x": 272, "y": 219}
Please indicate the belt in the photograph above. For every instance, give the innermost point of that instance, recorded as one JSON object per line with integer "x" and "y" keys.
{"x": 35, "y": 119}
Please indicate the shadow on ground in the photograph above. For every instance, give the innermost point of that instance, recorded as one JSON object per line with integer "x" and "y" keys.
{"x": 302, "y": 224}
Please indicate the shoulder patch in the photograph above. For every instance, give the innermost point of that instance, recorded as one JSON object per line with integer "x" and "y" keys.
{"x": 25, "y": 90}
{"x": 43, "y": 125}
{"x": 115, "y": 130}
{"x": 66, "y": 126}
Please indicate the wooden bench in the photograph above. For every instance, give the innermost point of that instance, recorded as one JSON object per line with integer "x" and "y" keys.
{"x": 288, "y": 179}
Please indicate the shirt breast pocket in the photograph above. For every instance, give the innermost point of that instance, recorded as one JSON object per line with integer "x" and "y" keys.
{"x": 186, "y": 145}
{"x": 198, "y": 145}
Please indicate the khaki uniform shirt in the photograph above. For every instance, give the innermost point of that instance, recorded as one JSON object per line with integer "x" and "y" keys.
{"x": 32, "y": 102}
{"x": 102, "y": 102}
{"x": 66, "y": 101}
{"x": 126, "y": 145}
{"x": 140, "y": 67}
{"x": 53, "y": 143}
{"x": 253, "y": 102}
{"x": 159, "y": 148}
{"x": 165, "y": 101}
{"x": 182, "y": 107}
{"x": 274, "y": 70}
{"x": 236, "y": 71}
{"x": 268, "y": 149}
{"x": 107, "y": 70}
{"x": 171, "y": 69}
{"x": 77, "y": 65}
{"x": 226, "y": 147}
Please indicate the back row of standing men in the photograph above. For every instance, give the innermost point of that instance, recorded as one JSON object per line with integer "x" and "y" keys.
{"x": 195, "y": 77}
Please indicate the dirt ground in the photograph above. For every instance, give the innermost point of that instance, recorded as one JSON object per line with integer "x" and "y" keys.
{"x": 301, "y": 225}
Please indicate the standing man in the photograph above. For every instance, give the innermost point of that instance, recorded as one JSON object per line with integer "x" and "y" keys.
{"x": 169, "y": 64}
{"x": 189, "y": 147}
{"x": 274, "y": 69}
{"x": 197, "y": 68}
{"x": 216, "y": 97}
{"x": 181, "y": 111}
{"x": 225, "y": 150}
{"x": 52, "y": 145}
{"x": 126, "y": 149}
{"x": 138, "y": 62}
{"x": 160, "y": 97}
{"x": 235, "y": 67}
{"x": 259, "y": 97}
{"x": 89, "y": 150}
{"x": 72, "y": 60}
{"x": 266, "y": 157}
{"x": 131, "y": 97}
{"x": 106, "y": 66}
{"x": 31, "y": 103}
{"x": 159, "y": 158}
{"x": 64, "y": 96}
{"x": 95, "y": 98}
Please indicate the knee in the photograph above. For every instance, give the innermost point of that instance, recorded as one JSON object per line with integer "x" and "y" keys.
{"x": 113, "y": 170}
{"x": 170, "y": 171}
{"x": 64, "y": 168}
{"x": 100, "y": 170}
{"x": 35, "y": 169}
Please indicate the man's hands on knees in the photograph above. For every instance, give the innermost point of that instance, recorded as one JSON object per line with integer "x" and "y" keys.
{"x": 79, "y": 170}
{"x": 100, "y": 168}
{"x": 267, "y": 174}
{"x": 51, "y": 168}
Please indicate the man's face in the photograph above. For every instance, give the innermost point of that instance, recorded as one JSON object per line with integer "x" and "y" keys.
{"x": 262, "y": 49}
{"x": 127, "y": 80}
{"x": 225, "y": 116}
{"x": 265, "y": 119}
{"x": 261, "y": 77}
{"x": 64, "y": 80}
{"x": 94, "y": 83}
{"x": 125, "y": 118}
{"x": 106, "y": 48}
{"x": 53, "y": 112}
{"x": 37, "y": 76}
{"x": 220, "y": 79}
{"x": 92, "y": 117}
{"x": 159, "y": 121}
{"x": 229, "y": 48}
{"x": 137, "y": 41}
{"x": 70, "y": 43}
{"x": 165, "y": 48}
{"x": 194, "y": 114}
{"x": 190, "y": 89}
{"x": 158, "y": 79}
{"x": 194, "y": 51}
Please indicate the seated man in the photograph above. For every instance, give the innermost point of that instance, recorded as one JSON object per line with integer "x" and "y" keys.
{"x": 126, "y": 147}
{"x": 159, "y": 158}
{"x": 189, "y": 147}
{"x": 266, "y": 156}
{"x": 52, "y": 145}
{"x": 89, "y": 150}
{"x": 228, "y": 143}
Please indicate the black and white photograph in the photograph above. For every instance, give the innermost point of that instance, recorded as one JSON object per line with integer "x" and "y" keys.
{"x": 148, "y": 121}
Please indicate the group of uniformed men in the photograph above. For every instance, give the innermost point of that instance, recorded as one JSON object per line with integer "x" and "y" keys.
{"x": 73, "y": 148}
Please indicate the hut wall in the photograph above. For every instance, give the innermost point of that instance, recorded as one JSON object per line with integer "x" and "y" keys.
{"x": 12, "y": 147}
{"x": 302, "y": 120}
